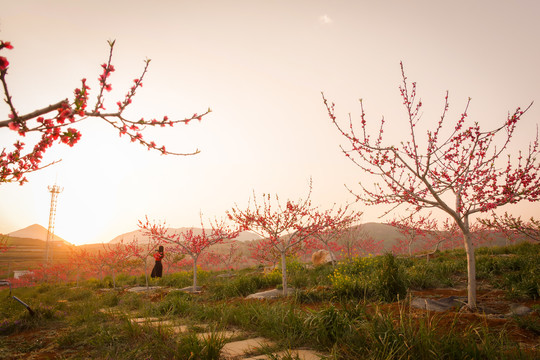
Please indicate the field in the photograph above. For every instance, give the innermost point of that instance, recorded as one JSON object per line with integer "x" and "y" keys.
{"x": 361, "y": 309}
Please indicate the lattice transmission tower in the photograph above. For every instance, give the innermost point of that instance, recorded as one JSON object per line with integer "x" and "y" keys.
{"x": 54, "y": 190}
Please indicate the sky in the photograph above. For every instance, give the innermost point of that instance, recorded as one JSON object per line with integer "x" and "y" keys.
{"x": 261, "y": 67}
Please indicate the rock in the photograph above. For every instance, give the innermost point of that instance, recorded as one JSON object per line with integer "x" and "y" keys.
{"x": 519, "y": 310}
{"x": 238, "y": 348}
{"x": 480, "y": 310}
{"x": 143, "y": 288}
{"x": 189, "y": 289}
{"x": 321, "y": 257}
{"x": 270, "y": 294}
{"x": 301, "y": 354}
{"x": 438, "y": 305}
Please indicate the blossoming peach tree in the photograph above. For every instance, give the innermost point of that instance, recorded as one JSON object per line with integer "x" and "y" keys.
{"x": 57, "y": 123}
{"x": 357, "y": 242}
{"x": 461, "y": 171}
{"x": 339, "y": 220}
{"x": 188, "y": 241}
{"x": 285, "y": 226}
{"x": 513, "y": 228}
{"x": 415, "y": 233}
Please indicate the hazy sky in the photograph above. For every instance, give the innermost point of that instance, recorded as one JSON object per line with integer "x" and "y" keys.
{"x": 260, "y": 66}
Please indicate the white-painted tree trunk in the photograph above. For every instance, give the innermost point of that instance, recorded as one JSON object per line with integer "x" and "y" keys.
{"x": 332, "y": 257}
{"x": 194, "y": 274}
{"x": 471, "y": 270}
{"x": 284, "y": 272}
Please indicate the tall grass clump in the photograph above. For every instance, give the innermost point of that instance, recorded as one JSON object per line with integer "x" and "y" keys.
{"x": 390, "y": 284}
{"x": 242, "y": 286}
{"x": 331, "y": 325}
{"x": 192, "y": 347}
{"x": 370, "y": 278}
{"x": 382, "y": 337}
{"x": 437, "y": 272}
{"x": 515, "y": 268}
{"x": 122, "y": 339}
{"x": 175, "y": 303}
{"x": 524, "y": 283}
{"x": 356, "y": 332}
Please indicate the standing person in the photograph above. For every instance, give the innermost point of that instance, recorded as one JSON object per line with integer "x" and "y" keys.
{"x": 157, "y": 271}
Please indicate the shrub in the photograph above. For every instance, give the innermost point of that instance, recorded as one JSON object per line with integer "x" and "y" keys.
{"x": 390, "y": 284}
{"x": 298, "y": 276}
{"x": 354, "y": 278}
{"x": 370, "y": 277}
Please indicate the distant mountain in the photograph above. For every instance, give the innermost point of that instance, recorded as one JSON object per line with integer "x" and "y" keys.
{"x": 390, "y": 236}
{"x": 382, "y": 232}
{"x": 142, "y": 239}
{"x": 35, "y": 231}
{"x": 27, "y": 248}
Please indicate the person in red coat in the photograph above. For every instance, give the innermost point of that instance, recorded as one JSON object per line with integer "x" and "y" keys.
{"x": 157, "y": 271}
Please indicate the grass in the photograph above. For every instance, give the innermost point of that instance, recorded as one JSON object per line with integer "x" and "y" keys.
{"x": 359, "y": 310}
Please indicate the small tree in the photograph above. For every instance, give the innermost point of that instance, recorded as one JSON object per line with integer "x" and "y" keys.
{"x": 285, "y": 227}
{"x": 116, "y": 256}
{"x": 50, "y": 273}
{"x": 230, "y": 258}
{"x": 415, "y": 231}
{"x": 513, "y": 227}
{"x": 447, "y": 236}
{"x": 264, "y": 253}
{"x": 98, "y": 263}
{"x": 143, "y": 251}
{"x": 188, "y": 242}
{"x": 459, "y": 174}
{"x": 170, "y": 260}
{"x": 335, "y": 225}
{"x": 58, "y": 122}
{"x": 355, "y": 241}
{"x": 79, "y": 262}
{"x": 428, "y": 237}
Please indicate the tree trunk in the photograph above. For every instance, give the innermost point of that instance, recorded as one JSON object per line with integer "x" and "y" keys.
{"x": 194, "y": 274}
{"x": 284, "y": 272}
{"x": 332, "y": 257}
{"x": 471, "y": 268}
{"x": 146, "y": 273}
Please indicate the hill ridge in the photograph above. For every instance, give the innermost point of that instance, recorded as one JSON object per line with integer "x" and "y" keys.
{"x": 138, "y": 235}
{"x": 37, "y": 232}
